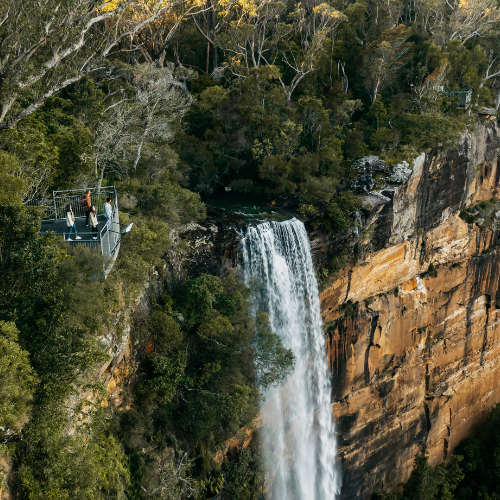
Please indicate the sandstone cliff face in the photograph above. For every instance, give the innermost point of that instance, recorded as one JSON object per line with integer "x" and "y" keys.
{"x": 414, "y": 330}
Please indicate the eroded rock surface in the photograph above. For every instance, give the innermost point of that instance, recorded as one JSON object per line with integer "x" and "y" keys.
{"x": 414, "y": 330}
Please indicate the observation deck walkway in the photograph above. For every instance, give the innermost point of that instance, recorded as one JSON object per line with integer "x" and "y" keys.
{"x": 108, "y": 232}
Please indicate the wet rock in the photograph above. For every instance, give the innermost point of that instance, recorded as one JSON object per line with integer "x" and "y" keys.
{"x": 370, "y": 165}
{"x": 400, "y": 173}
{"x": 211, "y": 246}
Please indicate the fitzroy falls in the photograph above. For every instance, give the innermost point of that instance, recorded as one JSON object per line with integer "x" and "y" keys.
{"x": 411, "y": 332}
{"x": 298, "y": 430}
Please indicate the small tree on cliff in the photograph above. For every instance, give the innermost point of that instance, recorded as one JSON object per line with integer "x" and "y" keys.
{"x": 429, "y": 483}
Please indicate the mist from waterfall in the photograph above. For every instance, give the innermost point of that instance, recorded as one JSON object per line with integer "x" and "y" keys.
{"x": 298, "y": 431}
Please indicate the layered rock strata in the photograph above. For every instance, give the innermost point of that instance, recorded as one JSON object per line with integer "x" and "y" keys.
{"x": 413, "y": 330}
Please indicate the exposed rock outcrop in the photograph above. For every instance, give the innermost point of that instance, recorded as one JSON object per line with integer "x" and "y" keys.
{"x": 414, "y": 330}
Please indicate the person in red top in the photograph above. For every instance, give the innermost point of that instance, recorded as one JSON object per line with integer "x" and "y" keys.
{"x": 87, "y": 206}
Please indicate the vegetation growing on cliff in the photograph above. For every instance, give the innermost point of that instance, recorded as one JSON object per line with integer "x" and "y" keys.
{"x": 198, "y": 386}
{"x": 202, "y": 364}
{"x": 471, "y": 472}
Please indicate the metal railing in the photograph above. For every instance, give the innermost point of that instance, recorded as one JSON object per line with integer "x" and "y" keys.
{"x": 108, "y": 237}
{"x": 55, "y": 207}
{"x": 110, "y": 234}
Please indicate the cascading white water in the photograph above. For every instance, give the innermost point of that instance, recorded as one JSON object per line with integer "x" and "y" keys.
{"x": 298, "y": 431}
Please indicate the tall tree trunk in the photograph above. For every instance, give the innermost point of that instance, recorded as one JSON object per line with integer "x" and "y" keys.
{"x": 161, "y": 59}
{"x": 143, "y": 138}
{"x": 96, "y": 171}
{"x": 101, "y": 177}
{"x": 215, "y": 62}
{"x": 208, "y": 57}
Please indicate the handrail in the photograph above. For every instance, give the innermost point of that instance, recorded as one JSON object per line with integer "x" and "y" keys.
{"x": 108, "y": 236}
{"x": 83, "y": 189}
{"x": 54, "y": 206}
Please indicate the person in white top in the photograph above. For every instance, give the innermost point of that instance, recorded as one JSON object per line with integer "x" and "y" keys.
{"x": 93, "y": 221}
{"x": 108, "y": 211}
{"x": 70, "y": 222}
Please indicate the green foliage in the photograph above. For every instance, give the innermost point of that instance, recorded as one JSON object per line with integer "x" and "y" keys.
{"x": 335, "y": 214}
{"x": 273, "y": 362}
{"x": 244, "y": 474}
{"x": 428, "y": 129}
{"x": 424, "y": 481}
{"x": 165, "y": 200}
{"x": 427, "y": 482}
{"x": 18, "y": 379}
{"x": 333, "y": 266}
{"x": 142, "y": 251}
{"x": 57, "y": 308}
{"x": 36, "y": 155}
{"x": 13, "y": 186}
{"x": 471, "y": 472}
{"x": 88, "y": 463}
{"x": 480, "y": 461}
{"x": 212, "y": 485}
{"x": 205, "y": 356}
{"x": 73, "y": 140}
{"x": 467, "y": 65}
{"x": 167, "y": 373}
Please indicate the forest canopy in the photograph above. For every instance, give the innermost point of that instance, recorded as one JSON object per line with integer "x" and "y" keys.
{"x": 176, "y": 103}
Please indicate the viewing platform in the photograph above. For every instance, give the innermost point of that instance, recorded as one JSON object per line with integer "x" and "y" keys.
{"x": 108, "y": 232}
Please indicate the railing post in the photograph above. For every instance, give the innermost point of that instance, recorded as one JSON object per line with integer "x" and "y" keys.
{"x": 55, "y": 207}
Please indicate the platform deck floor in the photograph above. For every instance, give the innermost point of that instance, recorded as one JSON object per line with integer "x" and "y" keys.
{"x": 59, "y": 227}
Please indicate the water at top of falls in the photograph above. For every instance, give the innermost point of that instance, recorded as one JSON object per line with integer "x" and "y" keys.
{"x": 298, "y": 430}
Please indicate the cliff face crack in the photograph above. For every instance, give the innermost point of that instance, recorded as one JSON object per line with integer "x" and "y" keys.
{"x": 427, "y": 379}
{"x": 348, "y": 285}
{"x": 485, "y": 335}
{"x": 374, "y": 325}
{"x": 468, "y": 333}
{"x": 427, "y": 417}
{"x": 422, "y": 250}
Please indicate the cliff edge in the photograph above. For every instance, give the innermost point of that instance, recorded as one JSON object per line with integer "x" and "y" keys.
{"x": 413, "y": 331}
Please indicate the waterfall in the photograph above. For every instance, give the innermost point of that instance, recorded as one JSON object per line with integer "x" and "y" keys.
{"x": 298, "y": 430}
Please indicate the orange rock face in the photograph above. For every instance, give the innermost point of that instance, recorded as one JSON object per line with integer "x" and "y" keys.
{"x": 414, "y": 348}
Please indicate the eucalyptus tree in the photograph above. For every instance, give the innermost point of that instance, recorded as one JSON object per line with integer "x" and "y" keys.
{"x": 289, "y": 36}
{"x": 210, "y": 21}
{"x": 154, "y": 37}
{"x": 47, "y": 45}
{"x": 384, "y": 58}
{"x": 457, "y": 20}
{"x": 150, "y": 115}
{"x": 491, "y": 46}
{"x": 313, "y": 24}
{"x": 251, "y": 38}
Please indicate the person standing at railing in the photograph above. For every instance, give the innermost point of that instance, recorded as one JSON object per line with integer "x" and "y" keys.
{"x": 70, "y": 222}
{"x": 108, "y": 211}
{"x": 93, "y": 222}
{"x": 87, "y": 205}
